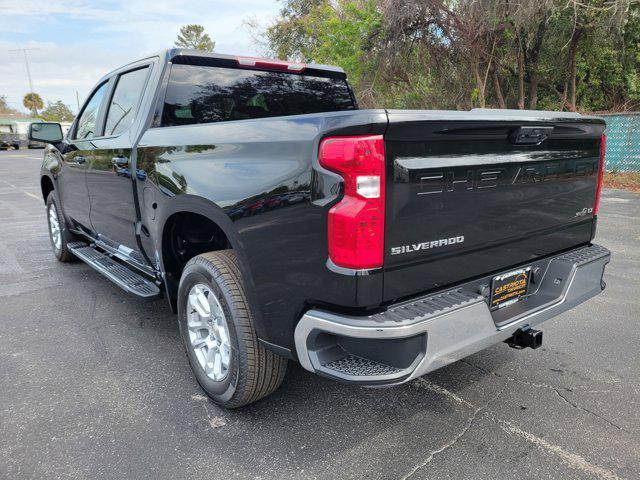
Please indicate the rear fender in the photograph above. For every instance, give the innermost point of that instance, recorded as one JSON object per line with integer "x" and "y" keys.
{"x": 201, "y": 206}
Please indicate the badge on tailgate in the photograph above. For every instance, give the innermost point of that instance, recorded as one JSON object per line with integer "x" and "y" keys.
{"x": 508, "y": 288}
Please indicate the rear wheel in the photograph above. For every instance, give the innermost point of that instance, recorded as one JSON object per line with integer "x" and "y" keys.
{"x": 216, "y": 325}
{"x": 59, "y": 234}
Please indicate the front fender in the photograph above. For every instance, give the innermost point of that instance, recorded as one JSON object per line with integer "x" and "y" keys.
{"x": 52, "y": 162}
{"x": 51, "y": 165}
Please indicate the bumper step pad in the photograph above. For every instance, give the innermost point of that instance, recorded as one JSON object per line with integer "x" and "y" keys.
{"x": 584, "y": 255}
{"x": 360, "y": 367}
{"x": 119, "y": 274}
{"x": 431, "y": 305}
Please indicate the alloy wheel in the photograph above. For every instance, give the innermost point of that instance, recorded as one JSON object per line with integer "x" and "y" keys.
{"x": 208, "y": 332}
{"x": 54, "y": 226}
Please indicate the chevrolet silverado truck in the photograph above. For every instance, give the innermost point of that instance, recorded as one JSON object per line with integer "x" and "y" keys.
{"x": 281, "y": 222}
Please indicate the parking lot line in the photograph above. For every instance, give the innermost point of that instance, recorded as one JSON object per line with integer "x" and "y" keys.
{"x": 29, "y": 194}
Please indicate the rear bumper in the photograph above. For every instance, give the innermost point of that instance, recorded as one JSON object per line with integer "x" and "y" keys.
{"x": 413, "y": 338}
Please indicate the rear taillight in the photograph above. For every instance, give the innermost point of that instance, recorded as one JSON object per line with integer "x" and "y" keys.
{"x": 356, "y": 223}
{"x": 603, "y": 147}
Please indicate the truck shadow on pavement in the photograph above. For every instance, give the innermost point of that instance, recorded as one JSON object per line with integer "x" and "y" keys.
{"x": 141, "y": 384}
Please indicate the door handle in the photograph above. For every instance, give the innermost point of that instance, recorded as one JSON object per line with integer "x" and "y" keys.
{"x": 79, "y": 159}
{"x": 120, "y": 162}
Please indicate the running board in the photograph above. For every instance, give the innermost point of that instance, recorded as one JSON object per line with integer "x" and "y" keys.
{"x": 119, "y": 274}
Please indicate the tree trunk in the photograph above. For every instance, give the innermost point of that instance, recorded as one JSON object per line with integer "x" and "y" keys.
{"x": 534, "y": 56}
{"x": 498, "y": 90}
{"x": 563, "y": 98}
{"x": 520, "y": 73}
{"x": 533, "y": 91}
{"x": 479, "y": 85}
{"x": 572, "y": 70}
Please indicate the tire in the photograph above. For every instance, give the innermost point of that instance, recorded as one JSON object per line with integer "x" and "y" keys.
{"x": 60, "y": 249}
{"x": 252, "y": 372}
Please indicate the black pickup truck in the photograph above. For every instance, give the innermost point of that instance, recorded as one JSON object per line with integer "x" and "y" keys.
{"x": 281, "y": 222}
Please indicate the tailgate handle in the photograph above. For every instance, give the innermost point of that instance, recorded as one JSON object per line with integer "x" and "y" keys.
{"x": 530, "y": 135}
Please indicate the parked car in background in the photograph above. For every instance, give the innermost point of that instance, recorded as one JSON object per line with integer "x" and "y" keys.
{"x": 282, "y": 223}
{"x": 14, "y": 133}
{"x": 8, "y": 135}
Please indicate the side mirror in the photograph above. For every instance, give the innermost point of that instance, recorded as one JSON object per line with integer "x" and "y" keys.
{"x": 45, "y": 132}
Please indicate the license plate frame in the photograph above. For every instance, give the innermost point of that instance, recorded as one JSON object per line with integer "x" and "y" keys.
{"x": 508, "y": 288}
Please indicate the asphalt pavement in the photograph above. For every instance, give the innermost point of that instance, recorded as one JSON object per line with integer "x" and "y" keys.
{"x": 94, "y": 384}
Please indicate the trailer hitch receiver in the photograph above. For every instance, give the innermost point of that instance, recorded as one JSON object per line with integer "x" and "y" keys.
{"x": 523, "y": 338}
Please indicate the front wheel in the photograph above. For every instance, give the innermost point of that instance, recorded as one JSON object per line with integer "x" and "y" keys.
{"x": 216, "y": 325}
{"x": 59, "y": 234}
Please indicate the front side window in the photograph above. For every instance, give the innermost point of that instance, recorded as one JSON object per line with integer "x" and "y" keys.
{"x": 87, "y": 121}
{"x": 205, "y": 94}
{"x": 125, "y": 99}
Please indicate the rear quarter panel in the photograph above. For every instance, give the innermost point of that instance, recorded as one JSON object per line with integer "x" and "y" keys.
{"x": 263, "y": 186}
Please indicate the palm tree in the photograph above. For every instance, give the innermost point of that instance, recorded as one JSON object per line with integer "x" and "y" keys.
{"x": 33, "y": 102}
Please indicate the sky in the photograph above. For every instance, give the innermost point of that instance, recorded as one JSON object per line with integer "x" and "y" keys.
{"x": 75, "y": 42}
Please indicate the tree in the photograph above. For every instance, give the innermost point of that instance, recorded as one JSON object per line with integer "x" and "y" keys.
{"x": 193, "y": 37}
{"x": 4, "y": 106}
{"x": 33, "y": 102}
{"x": 57, "y": 112}
{"x": 324, "y": 31}
{"x": 578, "y": 55}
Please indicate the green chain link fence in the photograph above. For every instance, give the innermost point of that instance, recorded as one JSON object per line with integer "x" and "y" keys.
{"x": 623, "y": 142}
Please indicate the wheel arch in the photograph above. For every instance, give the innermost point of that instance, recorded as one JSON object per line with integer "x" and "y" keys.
{"x": 195, "y": 207}
{"x": 46, "y": 186}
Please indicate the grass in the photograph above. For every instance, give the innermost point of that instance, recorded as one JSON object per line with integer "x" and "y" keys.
{"x": 622, "y": 180}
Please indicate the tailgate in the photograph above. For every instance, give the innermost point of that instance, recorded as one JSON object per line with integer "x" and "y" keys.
{"x": 470, "y": 193}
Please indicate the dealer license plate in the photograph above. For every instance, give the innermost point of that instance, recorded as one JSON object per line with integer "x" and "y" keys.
{"x": 510, "y": 287}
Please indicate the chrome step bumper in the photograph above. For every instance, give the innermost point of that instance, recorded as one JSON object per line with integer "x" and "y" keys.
{"x": 413, "y": 338}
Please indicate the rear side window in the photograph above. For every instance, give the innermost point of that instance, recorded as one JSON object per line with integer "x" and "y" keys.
{"x": 87, "y": 122}
{"x": 122, "y": 108}
{"x": 204, "y": 94}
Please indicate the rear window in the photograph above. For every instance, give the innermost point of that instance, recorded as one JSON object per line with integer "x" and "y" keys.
{"x": 202, "y": 94}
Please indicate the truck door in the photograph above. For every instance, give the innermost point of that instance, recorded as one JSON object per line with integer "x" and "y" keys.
{"x": 111, "y": 172}
{"x": 76, "y": 153}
